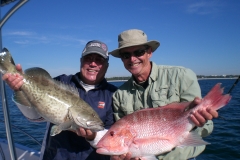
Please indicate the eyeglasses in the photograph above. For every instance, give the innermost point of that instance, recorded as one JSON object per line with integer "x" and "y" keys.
{"x": 98, "y": 59}
{"x": 136, "y": 53}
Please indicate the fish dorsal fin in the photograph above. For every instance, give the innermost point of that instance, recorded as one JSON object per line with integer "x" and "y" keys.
{"x": 40, "y": 75}
{"x": 180, "y": 107}
{"x": 67, "y": 87}
{"x": 36, "y": 72}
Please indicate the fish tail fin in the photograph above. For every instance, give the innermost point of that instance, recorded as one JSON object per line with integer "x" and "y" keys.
{"x": 215, "y": 97}
{"x": 6, "y": 62}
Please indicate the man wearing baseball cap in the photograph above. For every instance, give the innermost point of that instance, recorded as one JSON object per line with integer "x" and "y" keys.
{"x": 93, "y": 88}
{"x": 153, "y": 85}
{"x": 93, "y": 73}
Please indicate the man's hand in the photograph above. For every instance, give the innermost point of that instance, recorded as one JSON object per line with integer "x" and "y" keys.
{"x": 86, "y": 133}
{"x": 201, "y": 116}
{"x": 15, "y": 81}
{"x": 194, "y": 103}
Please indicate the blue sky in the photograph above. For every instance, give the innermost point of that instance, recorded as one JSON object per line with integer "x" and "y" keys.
{"x": 203, "y": 35}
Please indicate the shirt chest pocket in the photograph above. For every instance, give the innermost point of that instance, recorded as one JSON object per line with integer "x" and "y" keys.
{"x": 128, "y": 104}
{"x": 164, "y": 95}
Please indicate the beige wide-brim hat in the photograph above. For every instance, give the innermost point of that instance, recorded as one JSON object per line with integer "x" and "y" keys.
{"x": 133, "y": 37}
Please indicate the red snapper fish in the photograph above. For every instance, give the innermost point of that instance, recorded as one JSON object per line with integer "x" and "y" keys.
{"x": 150, "y": 132}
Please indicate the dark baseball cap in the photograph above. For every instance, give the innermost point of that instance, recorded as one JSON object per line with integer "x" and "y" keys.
{"x": 96, "y": 46}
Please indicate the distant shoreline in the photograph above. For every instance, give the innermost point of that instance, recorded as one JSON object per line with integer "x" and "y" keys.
{"x": 117, "y": 80}
{"x": 198, "y": 79}
{"x": 216, "y": 78}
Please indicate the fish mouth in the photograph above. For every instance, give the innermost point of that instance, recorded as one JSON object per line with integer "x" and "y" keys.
{"x": 95, "y": 126}
{"x": 92, "y": 125}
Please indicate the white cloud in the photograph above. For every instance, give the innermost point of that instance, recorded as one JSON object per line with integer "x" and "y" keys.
{"x": 26, "y": 37}
{"x": 22, "y": 42}
{"x": 204, "y": 7}
{"x": 20, "y": 33}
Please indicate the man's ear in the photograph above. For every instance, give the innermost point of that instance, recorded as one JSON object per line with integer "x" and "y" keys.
{"x": 149, "y": 52}
{"x": 80, "y": 62}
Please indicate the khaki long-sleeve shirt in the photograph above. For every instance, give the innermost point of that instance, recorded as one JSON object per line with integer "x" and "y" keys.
{"x": 166, "y": 84}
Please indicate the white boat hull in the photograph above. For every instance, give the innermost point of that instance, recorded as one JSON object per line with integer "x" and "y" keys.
{"x": 22, "y": 152}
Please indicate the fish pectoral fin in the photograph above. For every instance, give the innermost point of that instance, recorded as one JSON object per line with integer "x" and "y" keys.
{"x": 192, "y": 139}
{"x": 56, "y": 129}
{"x": 154, "y": 145}
{"x": 66, "y": 125}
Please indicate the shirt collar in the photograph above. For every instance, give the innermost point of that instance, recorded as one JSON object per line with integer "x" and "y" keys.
{"x": 152, "y": 77}
{"x": 154, "y": 72}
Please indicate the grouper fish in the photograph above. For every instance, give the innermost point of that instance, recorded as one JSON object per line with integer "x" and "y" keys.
{"x": 150, "y": 132}
{"x": 55, "y": 101}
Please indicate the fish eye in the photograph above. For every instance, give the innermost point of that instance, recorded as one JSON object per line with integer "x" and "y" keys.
{"x": 93, "y": 115}
{"x": 112, "y": 133}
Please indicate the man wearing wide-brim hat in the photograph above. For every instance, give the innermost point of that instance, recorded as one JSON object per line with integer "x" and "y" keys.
{"x": 153, "y": 85}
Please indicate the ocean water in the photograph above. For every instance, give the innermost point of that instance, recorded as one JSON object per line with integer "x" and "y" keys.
{"x": 225, "y": 139}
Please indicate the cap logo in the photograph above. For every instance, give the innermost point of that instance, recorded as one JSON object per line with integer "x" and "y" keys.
{"x": 104, "y": 47}
{"x": 95, "y": 45}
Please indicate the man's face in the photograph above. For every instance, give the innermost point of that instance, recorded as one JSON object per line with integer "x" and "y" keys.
{"x": 136, "y": 60}
{"x": 93, "y": 68}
